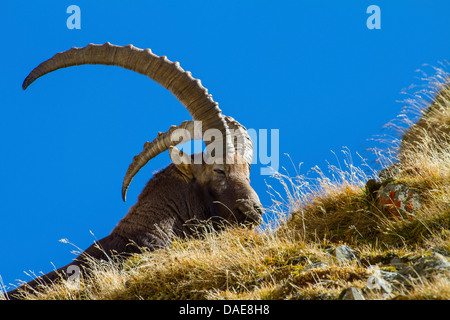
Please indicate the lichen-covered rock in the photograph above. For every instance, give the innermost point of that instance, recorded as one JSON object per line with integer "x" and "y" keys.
{"x": 398, "y": 200}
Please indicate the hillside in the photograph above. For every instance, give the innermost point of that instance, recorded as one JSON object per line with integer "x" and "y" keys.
{"x": 350, "y": 237}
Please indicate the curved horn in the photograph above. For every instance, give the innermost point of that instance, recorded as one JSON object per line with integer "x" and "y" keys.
{"x": 151, "y": 149}
{"x": 170, "y": 75}
{"x": 242, "y": 143}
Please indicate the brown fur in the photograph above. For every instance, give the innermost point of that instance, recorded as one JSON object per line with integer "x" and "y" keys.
{"x": 174, "y": 203}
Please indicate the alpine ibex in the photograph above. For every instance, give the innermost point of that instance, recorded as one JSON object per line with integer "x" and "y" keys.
{"x": 186, "y": 193}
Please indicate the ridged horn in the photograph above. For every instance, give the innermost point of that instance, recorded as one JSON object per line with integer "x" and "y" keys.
{"x": 188, "y": 90}
{"x": 151, "y": 149}
{"x": 242, "y": 143}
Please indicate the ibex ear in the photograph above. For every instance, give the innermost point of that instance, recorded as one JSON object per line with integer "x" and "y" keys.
{"x": 181, "y": 160}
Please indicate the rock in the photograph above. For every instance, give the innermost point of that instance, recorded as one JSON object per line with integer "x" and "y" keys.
{"x": 372, "y": 186}
{"x": 398, "y": 200}
{"x": 434, "y": 262}
{"x": 397, "y": 263}
{"x": 345, "y": 253}
{"x": 315, "y": 265}
{"x": 351, "y": 293}
{"x": 401, "y": 274}
{"x": 426, "y": 266}
{"x": 377, "y": 282}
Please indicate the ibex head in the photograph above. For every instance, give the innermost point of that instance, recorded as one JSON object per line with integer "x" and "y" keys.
{"x": 224, "y": 186}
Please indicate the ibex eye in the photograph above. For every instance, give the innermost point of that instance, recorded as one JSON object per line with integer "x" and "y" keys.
{"x": 219, "y": 171}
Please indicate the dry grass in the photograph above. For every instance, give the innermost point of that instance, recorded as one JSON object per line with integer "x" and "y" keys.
{"x": 437, "y": 288}
{"x": 236, "y": 264}
{"x": 292, "y": 257}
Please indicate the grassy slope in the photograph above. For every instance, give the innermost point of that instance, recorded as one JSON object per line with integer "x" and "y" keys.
{"x": 296, "y": 258}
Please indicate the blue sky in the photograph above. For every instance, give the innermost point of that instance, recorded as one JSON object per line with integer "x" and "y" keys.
{"x": 311, "y": 69}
